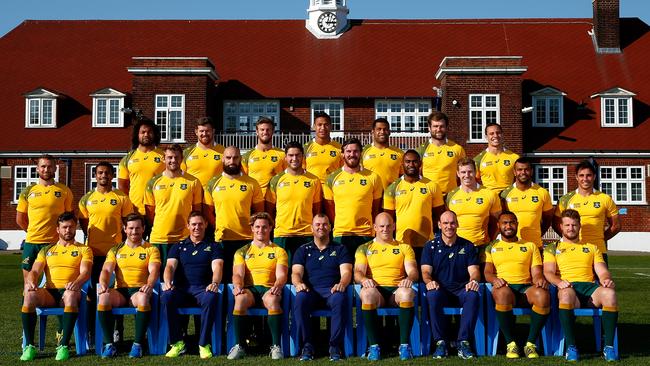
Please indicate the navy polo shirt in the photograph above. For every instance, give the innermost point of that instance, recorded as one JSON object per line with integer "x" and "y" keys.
{"x": 450, "y": 262}
{"x": 321, "y": 267}
{"x": 194, "y": 262}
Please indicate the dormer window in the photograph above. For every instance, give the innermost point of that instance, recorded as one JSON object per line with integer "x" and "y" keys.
{"x": 548, "y": 108}
{"x": 40, "y": 109}
{"x": 107, "y": 105}
{"x": 615, "y": 107}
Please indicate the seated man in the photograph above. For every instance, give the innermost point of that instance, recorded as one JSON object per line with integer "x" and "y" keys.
{"x": 67, "y": 265}
{"x": 387, "y": 270}
{"x": 321, "y": 272}
{"x": 258, "y": 277}
{"x": 570, "y": 265}
{"x": 514, "y": 268}
{"x": 192, "y": 277}
{"x": 451, "y": 273}
{"x": 136, "y": 264}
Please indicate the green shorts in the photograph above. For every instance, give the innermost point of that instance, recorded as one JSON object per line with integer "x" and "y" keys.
{"x": 57, "y": 294}
{"x": 519, "y": 288}
{"x": 30, "y": 252}
{"x": 386, "y": 291}
{"x": 127, "y": 292}
{"x": 584, "y": 290}
{"x": 258, "y": 293}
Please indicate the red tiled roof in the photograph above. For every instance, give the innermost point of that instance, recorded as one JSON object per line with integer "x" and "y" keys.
{"x": 281, "y": 58}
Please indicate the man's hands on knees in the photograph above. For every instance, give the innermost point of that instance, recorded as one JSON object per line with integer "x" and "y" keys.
{"x": 432, "y": 285}
{"x": 472, "y": 285}
{"x": 405, "y": 283}
{"x": 213, "y": 287}
{"x": 337, "y": 288}
{"x": 368, "y": 283}
{"x": 499, "y": 282}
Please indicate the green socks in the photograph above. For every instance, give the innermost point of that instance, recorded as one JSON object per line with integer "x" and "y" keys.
{"x": 275, "y": 320}
{"x": 506, "y": 321}
{"x": 370, "y": 319}
{"x": 29, "y": 324}
{"x": 568, "y": 320}
{"x": 537, "y": 320}
{"x": 406, "y": 313}
{"x": 105, "y": 316}
{"x": 610, "y": 318}
{"x": 69, "y": 318}
{"x": 142, "y": 317}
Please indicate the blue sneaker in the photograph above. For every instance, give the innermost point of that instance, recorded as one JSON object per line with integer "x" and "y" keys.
{"x": 464, "y": 350}
{"x": 441, "y": 350}
{"x": 335, "y": 354}
{"x": 405, "y": 352}
{"x": 109, "y": 351}
{"x": 136, "y": 351}
{"x": 307, "y": 353}
{"x": 609, "y": 353}
{"x": 373, "y": 353}
{"x": 572, "y": 354}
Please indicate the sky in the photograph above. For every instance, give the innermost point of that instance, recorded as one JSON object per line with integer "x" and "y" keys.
{"x": 13, "y": 12}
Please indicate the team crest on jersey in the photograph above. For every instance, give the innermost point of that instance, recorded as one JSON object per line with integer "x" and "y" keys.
{"x": 523, "y": 249}
{"x": 596, "y": 204}
{"x": 535, "y": 199}
{"x": 333, "y": 254}
{"x": 363, "y": 182}
{"x": 217, "y": 157}
{"x": 506, "y": 162}
{"x": 479, "y": 201}
{"x": 142, "y": 256}
{"x": 274, "y": 159}
{"x": 423, "y": 190}
{"x": 57, "y": 194}
{"x": 74, "y": 253}
{"x": 393, "y": 156}
{"x": 307, "y": 184}
{"x": 396, "y": 251}
{"x": 271, "y": 256}
{"x": 183, "y": 186}
{"x": 156, "y": 159}
{"x": 333, "y": 153}
{"x": 585, "y": 250}
{"x": 207, "y": 249}
{"x": 462, "y": 251}
{"x": 450, "y": 154}
{"x": 113, "y": 202}
{"x": 242, "y": 188}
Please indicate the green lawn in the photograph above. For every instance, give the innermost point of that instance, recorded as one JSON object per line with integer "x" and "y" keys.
{"x": 632, "y": 275}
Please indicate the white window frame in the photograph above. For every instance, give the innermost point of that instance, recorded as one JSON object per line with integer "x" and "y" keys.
{"x": 108, "y": 96}
{"x": 483, "y": 109}
{"x": 551, "y": 182}
{"x": 164, "y": 132}
{"x": 385, "y": 108}
{"x": 91, "y": 182}
{"x": 618, "y": 121}
{"x": 244, "y": 109}
{"x": 40, "y": 96}
{"x": 615, "y": 180}
{"x": 328, "y": 103}
{"x": 32, "y": 177}
{"x": 547, "y": 95}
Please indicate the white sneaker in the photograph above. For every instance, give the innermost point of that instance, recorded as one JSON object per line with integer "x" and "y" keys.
{"x": 276, "y": 353}
{"x": 236, "y": 352}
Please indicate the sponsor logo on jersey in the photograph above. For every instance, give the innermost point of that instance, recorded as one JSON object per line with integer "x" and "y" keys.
{"x": 243, "y": 188}
{"x": 113, "y": 202}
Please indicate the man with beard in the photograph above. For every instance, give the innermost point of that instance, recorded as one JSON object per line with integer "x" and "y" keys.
{"x": 169, "y": 199}
{"x": 352, "y": 198}
{"x": 293, "y": 198}
{"x": 570, "y": 264}
{"x": 415, "y": 202}
{"x": 530, "y": 202}
{"x": 322, "y": 154}
{"x": 440, "y": 155}
{"x": 230, "y": 199}
{"x": 140, "y": 164}
{"x": 514, "y": 268}
{"x": 381, "y": 158}
{"x": 495, "y": 164}
{"x": 203, "y": 160}
{"x": 264, "y": 161}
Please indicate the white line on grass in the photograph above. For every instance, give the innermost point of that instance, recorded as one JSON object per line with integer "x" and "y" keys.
{"x": 642, "y": 274}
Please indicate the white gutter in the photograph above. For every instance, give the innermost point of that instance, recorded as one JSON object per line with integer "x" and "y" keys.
{"x": 565, "y": 154}
{"x": 174, "y": 71}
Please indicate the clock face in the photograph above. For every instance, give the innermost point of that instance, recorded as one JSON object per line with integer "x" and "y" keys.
{"x": 327, "y": 22}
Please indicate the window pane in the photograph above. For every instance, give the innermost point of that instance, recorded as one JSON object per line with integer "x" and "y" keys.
{"x": 396, "y": 107}
{"x": 409, "y": 107}
{"x": 161, "y": 122}
{"x": 606, "y": 173}
{"x": 637, "y": 192}
{"x": 175, "y": 124}
{"x": 161, "y": 101}
{"x": 606, "y": 187}
{"x": 272, "y": 108}
{"x": 424, "y": 123}
{"x": 21, "y": 172}
{"x": 490, "y": 117}
{"x": 34, "y": 107}
{"x": 476, "y": 101}
{"x": 101, "y": 111}
{"x": 231, "y": 123}
{"x": 622, "y": 111}
{"x": 32, "y": 173}
{"x": 382, "y": 107}
{"x": 177, "y": 101}
{"x": 543, "y": 173}
{"x": 621, "y": 192}
{"x": 395, "y": 122}
{"x": 114, "y": 112}
{"x": 244, "y": 123}
{"x": 47, "y": 112}
{"x": 490, "y": 101}
{"x": 636, "y": 173}
{"x": 558, "y": 173}
{"x": 540, "y": 110}
{"x": 257, "y": 108}
{"x": 424, "y": 108}
{"x": 244, "y": 107}
{"x": 554, "y": 111}
{"x": 621, "y": 173}
{"x": 409, "y": 123}
{"x": 230, "y": 107}
{"x": 476, "y": 125}
{"x": 558, "y": 191}
{"x": 609, "y": 111}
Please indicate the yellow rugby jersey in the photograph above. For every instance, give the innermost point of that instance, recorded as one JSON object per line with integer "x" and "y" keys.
{"x": 528, "y": 205}
{"x": 173, "y": 199}
{"x": 575, "y": 262}
{"x": 43, "y": 205}
{"x": 473, "y": 210}
{"x": 232, "y": 200}
{"x": 496, "y": 172}
{"x": 104, "y": 212}
{"x": 387, "y": 163}
{"x": 594, "y": 210}
{"x": 513, "y": 261}
{"x": 260, "y": 263}
{"x": 138, "y": 168}
{"x": 385, "y": 261}
{"x": 439, "y": 163}
{"x": 203, "y": 163}
{"x": 412, "y": 203}
{"x": 353, "y": 195}
{"x": 62, "y": 263}
{"x": 263, "y": 165}
{"x": 132, "y": 264}
{"x": 322, "y": 160}
{"x": 293, "y": 197}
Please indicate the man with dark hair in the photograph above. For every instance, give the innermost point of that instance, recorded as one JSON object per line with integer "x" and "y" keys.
{"x": 264, "y": 161}
{"x": 293, "y": 197}
{"x": 352, "y": 198}
{"x": 495, "y": 164}
{"x": 203, "y": 160}
{"x": 598, "y": 212}
{"x": 322, "y": 154}
{"x": 440, "y": 155}
{"x": 380, "y": 157}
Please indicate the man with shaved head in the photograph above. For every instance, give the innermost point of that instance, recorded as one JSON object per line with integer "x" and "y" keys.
{"x": 386, "y": 270}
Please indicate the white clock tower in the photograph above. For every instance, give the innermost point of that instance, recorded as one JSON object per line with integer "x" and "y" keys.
{"x": 328, "y": 19}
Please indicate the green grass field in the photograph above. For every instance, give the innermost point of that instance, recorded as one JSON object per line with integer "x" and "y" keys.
{"x": 631, "y": 273}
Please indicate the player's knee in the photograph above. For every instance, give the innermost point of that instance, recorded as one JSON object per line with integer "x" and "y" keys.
{"x": 566, "y": 296}
{"x": 502, "y": 295}
{"x": 369, "y": 295}
{"x": 104, "y": 299}
{"x": 473, "y": 298}
{"x": 404, "y": 294}
{"x": 71, "y": 298}
{"x": 608, "y": 296}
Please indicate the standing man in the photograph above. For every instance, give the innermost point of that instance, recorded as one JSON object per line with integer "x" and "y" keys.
{"x": 386, "y": 270}
{"x": 352, "y": 198}
{"x": 169, "y": 199}
{"x": 530, "y": 202}
{"x": 415, "y": 202}
{"x": 514, "y": 268}
{"x": 264, "y": 161}
{"x": 598, "y": 212}
{"x": 496, "y": 163}
{"x": 203, "y": 160}
{"x": 192, "y": 277}
{"x": 140, "y": 164}
{"x": 570, "y": 265}
{"x": 293, "y": 198}
{"x": 381, "y": 158}
{"x": 321, "y": 272}
{"x": 440, "y": 155}
{"x": 450, "y": 271}
{"x": 322, "y": 154}
{"x": 230, "y": 199}
{"x": 476, "y": 206}
{"x": 67, "y": 266}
